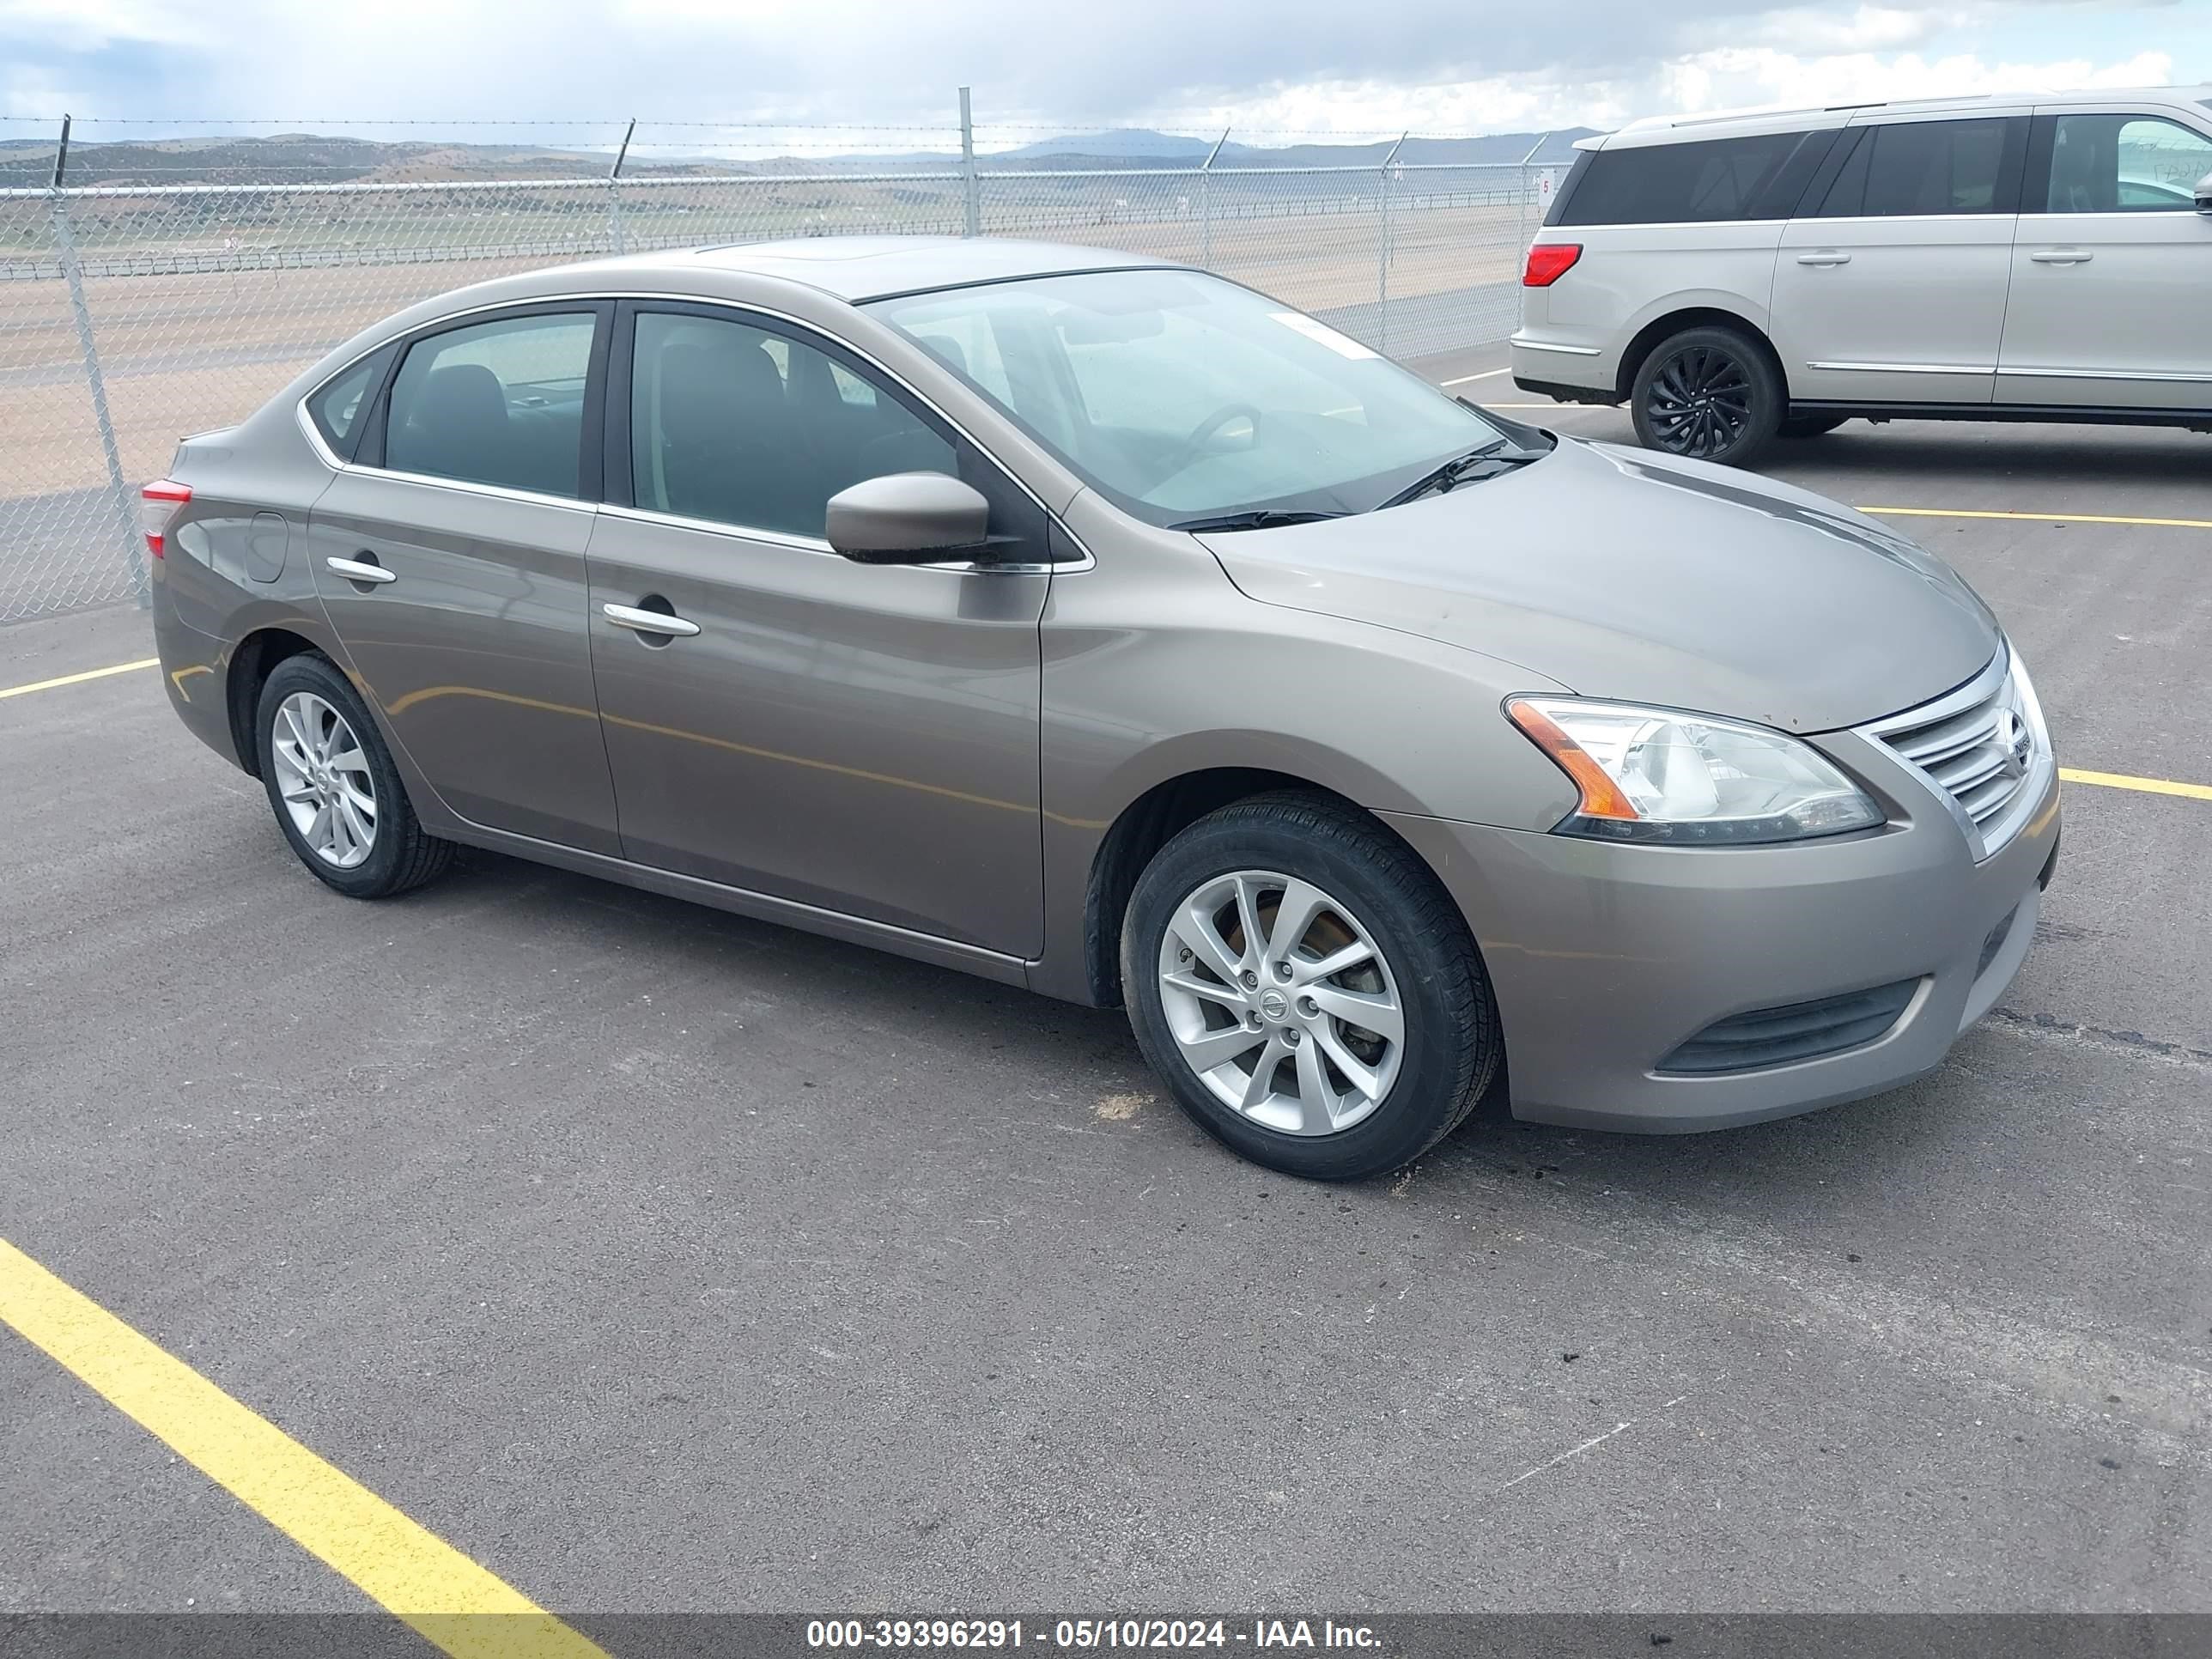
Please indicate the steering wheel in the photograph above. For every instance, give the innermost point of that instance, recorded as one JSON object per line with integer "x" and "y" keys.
{"x": 1195, "y": 445}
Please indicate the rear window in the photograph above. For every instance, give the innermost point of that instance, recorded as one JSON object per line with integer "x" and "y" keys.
{"x": 1717, "y": 179}
{"x": 336, "y": 409}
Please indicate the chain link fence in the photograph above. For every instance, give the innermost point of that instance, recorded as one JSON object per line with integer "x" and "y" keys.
{"x": 133, "y": 313}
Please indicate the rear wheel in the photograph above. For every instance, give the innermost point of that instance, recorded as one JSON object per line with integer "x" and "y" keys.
{"x": 1307, "y": 989}
{"x": 332, "y": 785}
{"x": 1709, "y": 394}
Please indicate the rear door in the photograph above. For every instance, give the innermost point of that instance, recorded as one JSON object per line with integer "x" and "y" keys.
{"x": 859, "y": 738}
{"x": 2111, "y": 280}
{"x": 449, "y": 557}
{"x": 1890, "y": 286}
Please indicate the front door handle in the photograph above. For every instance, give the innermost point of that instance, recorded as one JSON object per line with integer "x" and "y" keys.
{"x": 2061, "y": 256}
{"x": 1827, "y": 256}
{"x": 649, "y": 622}
{"x": 354, "y": 570}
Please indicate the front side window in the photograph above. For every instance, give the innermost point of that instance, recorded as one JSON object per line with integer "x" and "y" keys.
{"x": 2125, "y": 164}
{"x": 738, "y": 426}
{"x": 1716, "y": 178}
{"x": 498, "y": 402}
{"x": 1179, "y": 396}
{"x": 1916, "y": 168}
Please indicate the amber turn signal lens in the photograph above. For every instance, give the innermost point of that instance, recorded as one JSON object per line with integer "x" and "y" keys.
{"x": 1601, "y": 796}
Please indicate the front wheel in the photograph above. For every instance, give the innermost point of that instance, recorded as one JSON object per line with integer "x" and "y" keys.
{"x": 1708, "y": 393}
{"x": 1307, "y": 989}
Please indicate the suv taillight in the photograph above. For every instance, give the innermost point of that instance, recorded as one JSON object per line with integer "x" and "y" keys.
{"x": 159, "y": 503}
{"x": 1549, "y": 262}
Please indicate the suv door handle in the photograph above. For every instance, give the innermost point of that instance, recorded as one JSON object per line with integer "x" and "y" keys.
{"x": 1826, "y": 257}
{"x": 354, "y": 570}
{"x": 649, "y": 622}
{"x": 2061, "y": 256}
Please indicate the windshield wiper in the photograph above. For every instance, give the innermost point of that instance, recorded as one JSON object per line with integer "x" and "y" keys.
{"x": 1262, "y": 518}
{"x": 1456, "y": 470}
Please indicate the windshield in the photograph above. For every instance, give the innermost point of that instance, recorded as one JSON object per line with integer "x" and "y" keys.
{"x": 1178, "y": 395}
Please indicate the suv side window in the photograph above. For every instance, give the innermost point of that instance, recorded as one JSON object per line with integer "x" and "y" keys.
{"x": 740, "y": 426}
{"x": 497, "y": 403}
{"x": 2125, "y": 164}
{"x": 1917, "y": 168}
{"x": 1717, "y": 178}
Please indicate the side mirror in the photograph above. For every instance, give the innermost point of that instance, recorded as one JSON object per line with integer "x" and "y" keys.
{"x": 2203, "y": 193}
{"x": 908, "y": 518}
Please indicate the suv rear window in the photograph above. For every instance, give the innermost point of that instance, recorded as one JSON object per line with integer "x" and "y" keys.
{"x": 1717, "y": 179}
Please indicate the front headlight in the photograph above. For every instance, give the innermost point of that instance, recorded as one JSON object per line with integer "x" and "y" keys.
{"x": 1658, "y": 775}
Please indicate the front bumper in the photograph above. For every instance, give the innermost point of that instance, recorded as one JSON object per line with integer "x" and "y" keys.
{"x": 1605, "y": 958}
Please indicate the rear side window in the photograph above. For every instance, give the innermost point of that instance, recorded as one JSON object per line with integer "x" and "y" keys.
{"x": 1676, "y": 184}
{"x": 1914, "y": 168}
{"x": 337, "y": 409}
{"x": 738, "y": 426}
{"x": 499, "y": 403}
{"x": 2125, "y": 164}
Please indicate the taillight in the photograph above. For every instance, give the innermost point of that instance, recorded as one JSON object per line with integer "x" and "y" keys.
{"x": 1549, "y": 262}
{"x": 159, "y": 503}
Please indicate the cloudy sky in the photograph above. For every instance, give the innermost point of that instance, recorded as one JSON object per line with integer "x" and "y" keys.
{"x": 1265, "y": 66}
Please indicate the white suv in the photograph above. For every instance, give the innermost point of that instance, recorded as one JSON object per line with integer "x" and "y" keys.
{"x": 2037, "y": 258}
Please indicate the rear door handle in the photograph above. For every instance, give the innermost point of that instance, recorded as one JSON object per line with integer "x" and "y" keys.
{"x": 2061, "y": 256}
{"x": 1828, "y": 257}
{"x": 354, "y": 570}
{"x": 649, "y": 622}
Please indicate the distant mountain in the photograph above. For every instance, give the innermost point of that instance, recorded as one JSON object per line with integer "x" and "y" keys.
{"x": 316, "y": 158}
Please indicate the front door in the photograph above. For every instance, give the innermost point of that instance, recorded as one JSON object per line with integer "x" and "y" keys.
{"x": 1891, "y": 288}
{"x": 449, "y": 557}
{"x": 862, "y": 739}
{"x": 2111, "y": 280}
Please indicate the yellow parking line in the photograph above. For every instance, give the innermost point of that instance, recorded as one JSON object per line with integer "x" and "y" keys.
{"x": 2041, "y": 518}
{"x": 79, "y": 679}
{"x": 2148, "y": 786}
{"x": 440, "y": 1593}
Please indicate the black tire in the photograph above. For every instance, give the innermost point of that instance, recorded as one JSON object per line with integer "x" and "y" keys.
{"x": 1709, "y": 394}
{"x": 402, "y": 856}
{"x": 1451, "y": 1043}
{"x": 1808, "y": 426}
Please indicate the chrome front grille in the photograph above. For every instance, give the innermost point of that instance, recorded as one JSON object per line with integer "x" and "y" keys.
{"x": 1983, "y": 748}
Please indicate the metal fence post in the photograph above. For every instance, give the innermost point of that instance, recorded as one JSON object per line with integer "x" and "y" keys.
{"x": 1206, "y": 203}
{"x": 1527, "y": 188}
{"x": 614, "y": 190}
{"x": 972, "y": 221}
{"x": 126, "y": 512}
{"x": 1383, "y": 268}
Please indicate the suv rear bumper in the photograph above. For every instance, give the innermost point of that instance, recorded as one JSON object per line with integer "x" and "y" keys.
{"x": 1572, "y": 370}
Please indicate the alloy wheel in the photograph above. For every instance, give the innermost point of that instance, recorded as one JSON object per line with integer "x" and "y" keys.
{"x": 1700, "y": 402}
{"x": 324, "y": 780}
{"x": 1281, "y": 1002}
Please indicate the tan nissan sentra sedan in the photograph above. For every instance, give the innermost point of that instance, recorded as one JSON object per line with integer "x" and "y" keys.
{"x": 1100, "y": 626}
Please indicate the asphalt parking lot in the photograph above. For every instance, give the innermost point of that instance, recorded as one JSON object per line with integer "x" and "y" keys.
{"x": 662, "y": 1261}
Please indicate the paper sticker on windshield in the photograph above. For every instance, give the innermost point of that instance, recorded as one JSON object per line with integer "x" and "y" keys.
{"x": 1342, "y": 344}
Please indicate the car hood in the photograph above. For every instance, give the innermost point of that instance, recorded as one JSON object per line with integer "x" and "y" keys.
{"x": 1622, "y": 573}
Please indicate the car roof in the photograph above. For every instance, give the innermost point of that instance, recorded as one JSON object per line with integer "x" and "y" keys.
{"x": 858, "y": 268}
{"x": 1659, "y": 128}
